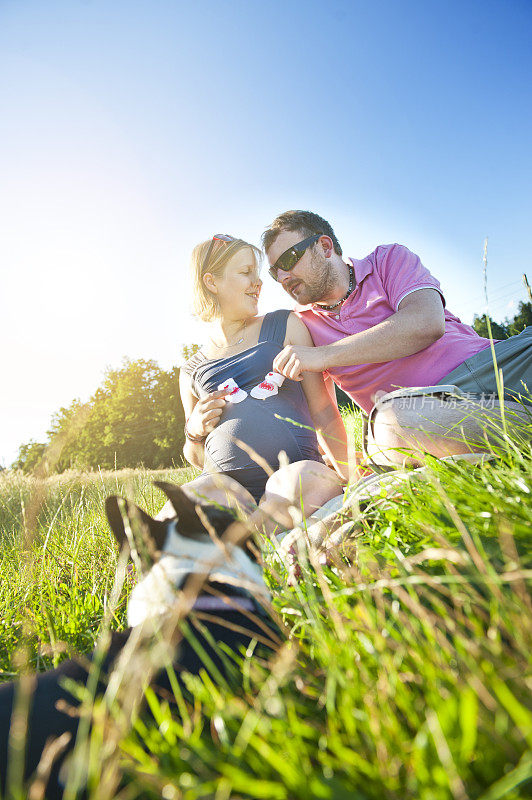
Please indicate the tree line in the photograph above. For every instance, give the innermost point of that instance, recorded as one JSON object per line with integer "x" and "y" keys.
{"x": 502, "y": 330}
{"x": 136, "y": 418}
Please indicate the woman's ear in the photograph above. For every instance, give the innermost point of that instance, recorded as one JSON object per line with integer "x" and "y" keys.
{"x": 210, "y": 283}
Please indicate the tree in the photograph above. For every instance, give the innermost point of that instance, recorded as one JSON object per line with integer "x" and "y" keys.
{"x": 188, "y": 350}
{"x": 63, "y": 437}
{"x": 119, "y": 428}
{"x": 29, "y": 456}
{"x": 480, "y": 325}
{"x": 521, "y": 319}
{"x": 135, "y": 417}
{"x": 169, "y": 420}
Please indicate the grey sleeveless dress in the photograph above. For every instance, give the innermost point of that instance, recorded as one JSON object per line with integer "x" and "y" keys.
{"x": 267, "y": 426}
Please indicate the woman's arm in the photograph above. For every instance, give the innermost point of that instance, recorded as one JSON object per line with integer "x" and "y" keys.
{"x": 194, "y": 453}
{"x": 323, "y": 409}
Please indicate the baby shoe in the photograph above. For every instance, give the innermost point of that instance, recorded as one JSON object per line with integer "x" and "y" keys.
{"x": 234, "y": 393}
{"x": 269, "y": 387}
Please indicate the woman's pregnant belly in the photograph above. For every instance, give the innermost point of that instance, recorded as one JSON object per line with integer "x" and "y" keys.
{"x": 254, "y": 423}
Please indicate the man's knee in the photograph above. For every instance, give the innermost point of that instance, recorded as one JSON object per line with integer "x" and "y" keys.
{"x": 388, "y": 436}
{"x": 403, "y": 428}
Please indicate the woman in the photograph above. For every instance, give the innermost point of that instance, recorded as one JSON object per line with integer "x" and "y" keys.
{"x": 242, "y": 440}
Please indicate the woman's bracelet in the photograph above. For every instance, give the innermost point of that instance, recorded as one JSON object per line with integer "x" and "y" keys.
{"x": 192, "y": 438}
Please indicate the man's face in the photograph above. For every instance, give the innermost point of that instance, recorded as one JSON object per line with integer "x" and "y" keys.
{"x": 310, "y": 280}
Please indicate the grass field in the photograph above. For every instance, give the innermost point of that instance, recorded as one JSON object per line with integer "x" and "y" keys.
{"x": 404, "y": 673}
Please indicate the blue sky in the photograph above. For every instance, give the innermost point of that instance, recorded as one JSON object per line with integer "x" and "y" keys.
{"x": 132, "y": 130}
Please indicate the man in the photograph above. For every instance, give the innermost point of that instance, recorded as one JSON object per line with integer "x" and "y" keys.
{"x": 380, "y": 324}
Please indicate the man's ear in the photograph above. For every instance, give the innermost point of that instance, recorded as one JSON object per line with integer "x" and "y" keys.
{"x": 210, "y": 283}
{"x": 327, "y": 245}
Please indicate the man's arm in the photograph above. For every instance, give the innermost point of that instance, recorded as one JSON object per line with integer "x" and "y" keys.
{"x": 418, "y": 323}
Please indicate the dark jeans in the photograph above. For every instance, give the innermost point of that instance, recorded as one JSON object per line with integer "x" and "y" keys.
{"x": 514, "y": 357}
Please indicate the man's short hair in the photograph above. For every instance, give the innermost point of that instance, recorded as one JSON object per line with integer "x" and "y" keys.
{"x": 305, "y": 222}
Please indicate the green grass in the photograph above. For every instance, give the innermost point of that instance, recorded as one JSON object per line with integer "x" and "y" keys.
{"x": 404, "y": 673}
{"x": 58, "y": 559}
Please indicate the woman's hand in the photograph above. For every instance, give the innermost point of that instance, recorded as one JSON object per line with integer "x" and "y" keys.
{"x": 206, "y": 414}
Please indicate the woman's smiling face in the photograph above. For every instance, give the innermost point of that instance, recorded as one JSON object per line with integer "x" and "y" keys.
{"x": 238, "y": 289}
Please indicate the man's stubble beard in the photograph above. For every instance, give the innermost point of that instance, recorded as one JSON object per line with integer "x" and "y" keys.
{"x": 321, "y": 283}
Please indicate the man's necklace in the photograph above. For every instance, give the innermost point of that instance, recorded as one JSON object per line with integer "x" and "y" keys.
{"x": 346, "y": 295}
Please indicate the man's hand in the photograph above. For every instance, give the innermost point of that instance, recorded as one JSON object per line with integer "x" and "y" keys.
{"x": 293, "y": 360}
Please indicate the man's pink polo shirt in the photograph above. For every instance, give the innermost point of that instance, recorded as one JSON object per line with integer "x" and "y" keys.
{"x": 383, "y": 279}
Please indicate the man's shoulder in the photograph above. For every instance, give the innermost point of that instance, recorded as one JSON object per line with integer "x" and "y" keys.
{"x": 393, "y": 259}
{"x": 382, "y": 250}
{"x": 382, "y": 254}
{"x": 393, "y": 250}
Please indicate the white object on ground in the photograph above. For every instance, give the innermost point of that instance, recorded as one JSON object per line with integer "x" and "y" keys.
{"x": 269, "y": 387}
{"x": 234, "y": 393}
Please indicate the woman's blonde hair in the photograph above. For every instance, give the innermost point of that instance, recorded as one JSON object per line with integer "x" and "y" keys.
{"x": 205, "y": 303}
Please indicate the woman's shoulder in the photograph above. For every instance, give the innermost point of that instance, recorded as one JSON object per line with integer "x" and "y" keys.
{"x": 192, "y": 363}
{"x": 296, "y": 331}
{"x": 273, "y": 327}
{"x": 279, "y": 313}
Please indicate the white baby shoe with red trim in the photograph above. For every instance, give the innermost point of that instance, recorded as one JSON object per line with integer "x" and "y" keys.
{"x": 234, "y": 393}
{"x": 269, "y": 387}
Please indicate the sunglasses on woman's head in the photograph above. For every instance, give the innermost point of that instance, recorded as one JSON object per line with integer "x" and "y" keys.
{"x": 218, "y": 237}
{"x": 290, "y": 257}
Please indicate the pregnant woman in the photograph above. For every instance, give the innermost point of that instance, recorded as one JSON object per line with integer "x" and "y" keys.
{"x": 240, "y": 416}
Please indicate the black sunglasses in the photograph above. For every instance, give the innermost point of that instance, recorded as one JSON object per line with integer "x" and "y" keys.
{"x": 290, "y": 257}
{"x": 218, "y": 237}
